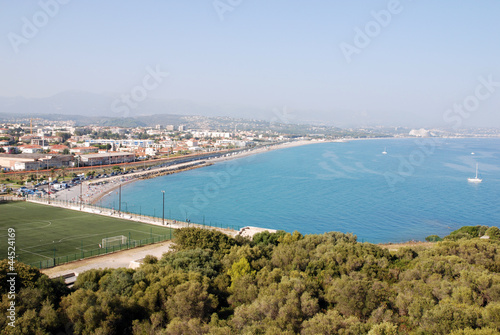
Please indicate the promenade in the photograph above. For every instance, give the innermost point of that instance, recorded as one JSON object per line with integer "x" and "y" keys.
{"x": 93, "y": 190}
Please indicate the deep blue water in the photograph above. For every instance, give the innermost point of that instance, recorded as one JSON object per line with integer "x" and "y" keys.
{"x": 417, "y": 189}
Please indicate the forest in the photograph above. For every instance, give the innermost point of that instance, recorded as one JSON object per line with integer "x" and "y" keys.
{"x": 275, "y": 283}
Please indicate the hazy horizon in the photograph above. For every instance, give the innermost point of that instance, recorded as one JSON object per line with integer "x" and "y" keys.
{"x": 379, "y": 62}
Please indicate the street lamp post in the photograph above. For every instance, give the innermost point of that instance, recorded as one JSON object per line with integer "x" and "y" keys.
{"x": 120, "y": 201}
{"x": 81, "y": 199}
{"x": 163, "y": 211}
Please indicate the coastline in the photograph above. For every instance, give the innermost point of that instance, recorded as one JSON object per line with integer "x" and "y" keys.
{"x": 141, "y": 176}
{"x": 93, "y": 191}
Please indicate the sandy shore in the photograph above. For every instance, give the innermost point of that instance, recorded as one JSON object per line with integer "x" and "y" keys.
{"x": 94, "y": 190}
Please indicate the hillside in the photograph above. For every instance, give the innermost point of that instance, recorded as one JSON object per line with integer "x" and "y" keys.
{"x": 278, "y": 283}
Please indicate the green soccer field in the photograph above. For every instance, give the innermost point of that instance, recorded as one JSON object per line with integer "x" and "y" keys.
{"x": 47, "y": 235}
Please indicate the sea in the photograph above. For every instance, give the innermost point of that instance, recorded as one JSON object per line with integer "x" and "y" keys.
{"x": 381, "y": 190}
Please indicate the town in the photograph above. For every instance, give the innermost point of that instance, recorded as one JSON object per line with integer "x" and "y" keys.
{"x": 39, "y": 151}
{"x": 37, "y": 144}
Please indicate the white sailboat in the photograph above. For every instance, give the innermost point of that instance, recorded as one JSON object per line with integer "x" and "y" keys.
{"x": 476, "y": 179}
{"x": 385, "y": 151}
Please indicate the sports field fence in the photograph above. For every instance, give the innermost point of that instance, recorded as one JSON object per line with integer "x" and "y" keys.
{"x": 59, "y": 260}
{"x": 94, "y": 209}
{"x": 128, "y": 215}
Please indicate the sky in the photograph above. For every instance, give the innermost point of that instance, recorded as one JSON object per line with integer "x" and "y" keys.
{"x": 427, "y": 63}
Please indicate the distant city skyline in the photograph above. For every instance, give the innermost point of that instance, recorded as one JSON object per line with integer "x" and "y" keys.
{"x": 414, "y": 63}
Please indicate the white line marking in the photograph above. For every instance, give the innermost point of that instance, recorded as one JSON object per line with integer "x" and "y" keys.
{"x": 15, "y": 206}
{"x": 34, "y": 253}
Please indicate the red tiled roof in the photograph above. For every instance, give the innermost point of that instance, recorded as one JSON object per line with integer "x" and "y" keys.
{"x": 30, "y": 146}
{"x": 85, "y": 148}
{"x": 58, "y": 146}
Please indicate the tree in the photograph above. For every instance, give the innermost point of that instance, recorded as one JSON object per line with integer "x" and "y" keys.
{"x": 64, "y": 136}
{"x": 470, "y": 331}
{"x": 354, "y": 296}
{"x": 446, "y": 317}
{"x": 331, "y": 323}
{"x": 266, "y": 237}
{"x": 63, "y": 172}
{"x": 493, "y": 233}
{"x": 433, "y": 238}
{"x": 197, "y": 260}
{"x": 313, "y": 284}
{"x": 27, "y": 276}
{"x": 239, "y": 269}
{"x": 192, "y": 238}
{"x": 385, "y": 328}
{"x": 191, "y": 300}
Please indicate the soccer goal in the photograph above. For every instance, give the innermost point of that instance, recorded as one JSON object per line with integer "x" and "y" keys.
{"x": 113, "y": 241}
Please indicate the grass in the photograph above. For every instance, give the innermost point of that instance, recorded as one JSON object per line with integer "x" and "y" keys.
{"x": 49, "y": 235}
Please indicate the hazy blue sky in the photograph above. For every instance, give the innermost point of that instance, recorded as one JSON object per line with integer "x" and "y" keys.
{"x": 428, "y": 56}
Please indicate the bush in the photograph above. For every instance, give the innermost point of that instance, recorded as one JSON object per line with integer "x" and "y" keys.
{"x": 195, "y": 238}
{"x": 493, "y": 233}
{"x": 458, "y": 236}
{"x": 433, "y": 238}
{"x": 149, "y": 259}
{"x": 313, "y": 284}
{"x": 266, "y": 237}
{"x": 473, "y": 231}
{"x": 196, "y": 260}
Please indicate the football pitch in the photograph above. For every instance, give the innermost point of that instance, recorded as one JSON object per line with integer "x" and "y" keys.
{"x": 46, "y": 236}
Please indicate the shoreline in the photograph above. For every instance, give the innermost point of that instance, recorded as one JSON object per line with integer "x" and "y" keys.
{"x": 157, "y": 173}
{"x": 101, "y": 191}
{"x": 94, "y": 191}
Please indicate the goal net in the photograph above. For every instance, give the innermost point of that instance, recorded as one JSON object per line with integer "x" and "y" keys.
{"x": 113, "y": 241}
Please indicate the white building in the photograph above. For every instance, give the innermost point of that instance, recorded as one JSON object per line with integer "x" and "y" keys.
{"x": 130, "y": 143}
{"x": 34, "y": 161}
{"x": 200, "y": 134}
{"x": 150, "y": 152}
{"x": 107, "y": 158}
{"x": 192, "y": 143}
{"x": 236, "y": 143}
{"x": 420, "y": 132}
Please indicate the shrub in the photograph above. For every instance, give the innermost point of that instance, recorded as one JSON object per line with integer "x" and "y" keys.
{"x": 493, "y": 233}
{"x": 193, "y": 238}
{"x": 433, "y": 238}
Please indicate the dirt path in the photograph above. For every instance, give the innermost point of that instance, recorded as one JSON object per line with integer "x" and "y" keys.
{"x": 397, "y": 246}
{"x": 115, "y": 260}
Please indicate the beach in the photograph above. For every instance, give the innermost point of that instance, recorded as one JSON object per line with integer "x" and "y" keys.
{"x": 94, "y": 190}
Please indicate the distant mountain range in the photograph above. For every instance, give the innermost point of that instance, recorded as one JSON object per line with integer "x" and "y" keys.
{"x": 99, "y": 105}
{"x": 88, "y": 108}
{"x": 90, "y": 105}
{"x": 91, "y": 108}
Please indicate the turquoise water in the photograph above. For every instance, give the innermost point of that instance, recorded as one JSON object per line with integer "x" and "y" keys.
{"x": 417, "y": 189}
